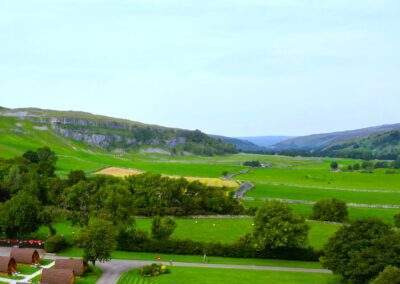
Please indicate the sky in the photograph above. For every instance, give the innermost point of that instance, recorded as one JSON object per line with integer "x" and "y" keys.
{"x": 235, "y": 68}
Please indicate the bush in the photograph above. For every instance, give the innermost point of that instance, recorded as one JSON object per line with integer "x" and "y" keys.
{"x": 391, "y": 275}
{"x": 137, "y": 241}
{"x": 162, "y": 228}
{"x": 276, "y": 226}
{"x": 332, "y": 210}
{"x": 253, "y": 164}
{"x": 153, "y": 270}
{"x": 397, "y": 220}
{"x": 55, "y": 243}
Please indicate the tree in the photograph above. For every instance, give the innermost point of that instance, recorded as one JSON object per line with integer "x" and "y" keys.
{"x": 31, "y": 156}
{"x": 162, "y": 228}
{"x": 356, "y": 167}
{"x": 98, "y": 240}
{"x": 391, "y": 275}
{"x": 367, "y": 165}
{"x": 78, "y": 199}
{"x": 334, "y": 166}
{"x": 360, "y": 251}
{"x": 19, "y": 216}
{"x": 396, "y": 164}
{"x": 76, "y": 176}
{"x": 332, "y": 210}
{"x": 275, "y": 226}
{"x": 47, "y": 161}
{"x": 397, "y": 220}
{"x": 116, "y": 204}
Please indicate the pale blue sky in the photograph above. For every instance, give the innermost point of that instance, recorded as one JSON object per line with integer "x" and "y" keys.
{"x": 239, "y": 68}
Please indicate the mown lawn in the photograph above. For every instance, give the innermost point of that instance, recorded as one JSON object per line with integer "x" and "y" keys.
{"x": 179, "y": 275}
{"x": 90, "y": 277}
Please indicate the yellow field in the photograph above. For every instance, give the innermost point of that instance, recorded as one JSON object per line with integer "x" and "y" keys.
{"x": 119, "y": 172}
{"x": 124, "y": 172}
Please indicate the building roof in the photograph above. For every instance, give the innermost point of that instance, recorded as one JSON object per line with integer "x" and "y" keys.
{"x": 57, "y": 276}
{"x": 5, "y": 262}
{"x": 77, "y": 265}
{"x": 23, "y": 255}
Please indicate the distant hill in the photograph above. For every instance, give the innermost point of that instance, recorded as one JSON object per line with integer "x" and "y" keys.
{"x": 118, "y": 134}
{"x": 265, "y": 141}
{"x": 242, "y": 144}
{"x": 372, "y": 142}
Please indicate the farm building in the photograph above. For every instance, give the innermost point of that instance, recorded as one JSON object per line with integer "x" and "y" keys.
{"x": 57, "y": 276}
{"x": 78, "y": 266}
{"x": 7, "y": 265}
{"x": 25, "y": 255}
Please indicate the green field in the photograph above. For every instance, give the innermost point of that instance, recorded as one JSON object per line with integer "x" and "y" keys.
{"x": 224, "y": 230}
{"x": 180, "y": 275}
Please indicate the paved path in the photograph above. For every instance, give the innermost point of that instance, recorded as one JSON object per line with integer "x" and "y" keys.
{"x": 243, "y": 189}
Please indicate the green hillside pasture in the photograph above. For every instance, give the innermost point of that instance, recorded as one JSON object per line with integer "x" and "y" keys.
{"x": 360, "y": 196}
{"x": 180, "y": 275}
{"x": 324, "y": 178}
{"x": 354, "y": 212}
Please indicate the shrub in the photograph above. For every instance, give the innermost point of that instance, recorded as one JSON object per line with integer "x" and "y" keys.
{"x": 276, "y": 226}
{"x": 391, "y": 275}
{"x": 334, "y": 166}
{"x": 243, "y": 248}
{"x": 397, "y": 220}
{"x": 332, "y": 210}
{"x": 153, "y": 270}
{"x": 162, "y": 228}
{"x": 253, "y": 164}
{"x": 55, "y": 243}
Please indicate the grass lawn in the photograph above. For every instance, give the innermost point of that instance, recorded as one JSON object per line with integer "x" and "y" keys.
{"x": 181, "y": 275}
{"x": 90, "y": 277}
{"x": 26, "y": 269}
{"x": 5, "y": 275}
{"x": 76, "y": 252}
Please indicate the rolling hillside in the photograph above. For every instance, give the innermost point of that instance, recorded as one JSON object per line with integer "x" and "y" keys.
{"x": 381, "y": 142}
{"x": 113, "y": 134}
{"x": 266, "y": 141}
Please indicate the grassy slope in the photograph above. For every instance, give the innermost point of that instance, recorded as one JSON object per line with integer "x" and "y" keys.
{"x": 196, "y": 275}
